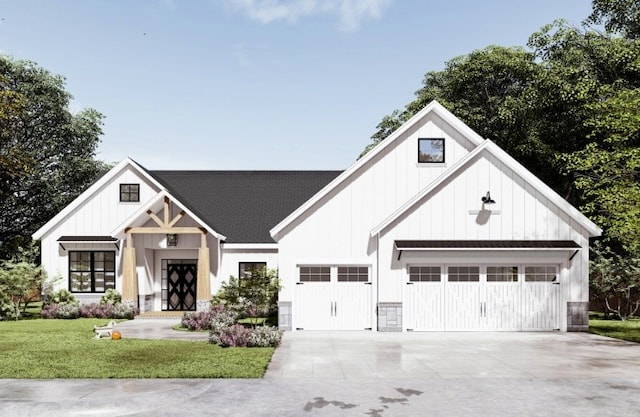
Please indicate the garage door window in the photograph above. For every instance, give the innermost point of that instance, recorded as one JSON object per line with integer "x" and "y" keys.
{"x": 315, "y": 274}
{"x": 464, "y": 273}
{"x": 502, "y": 274}
{"x": 424, "y": 273}
{"x": 544, "y": 273}
{"x": 353, "y": 274}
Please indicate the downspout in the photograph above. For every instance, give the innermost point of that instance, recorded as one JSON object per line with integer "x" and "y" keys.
{"x": 377, "y": 276}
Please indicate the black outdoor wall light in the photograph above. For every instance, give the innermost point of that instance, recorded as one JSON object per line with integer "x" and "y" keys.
{"x": 487, "y": 199}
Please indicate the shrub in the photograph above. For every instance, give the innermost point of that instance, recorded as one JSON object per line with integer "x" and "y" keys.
{"x": 232, "y": 336}
{"x": 8, "y": 310}
{"x": 62, "y": 297}
{"x": 203, "y": 320}
{"x": 258, "y": 293}
{"x": 60, "y": 311}
{"x": 265, "y": 336}
{"x": 111, "y": 296}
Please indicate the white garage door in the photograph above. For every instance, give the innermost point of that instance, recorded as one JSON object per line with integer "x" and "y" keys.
{"x": 491, "y": 297}
{"x": 333, "y": 298}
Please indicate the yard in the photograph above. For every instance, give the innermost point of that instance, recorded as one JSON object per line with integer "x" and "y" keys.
{"x": 625, "y": 330}
{"x": 44, "y": 349}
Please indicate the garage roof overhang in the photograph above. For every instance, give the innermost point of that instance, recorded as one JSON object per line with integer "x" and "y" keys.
{"x": 510, "y": 245}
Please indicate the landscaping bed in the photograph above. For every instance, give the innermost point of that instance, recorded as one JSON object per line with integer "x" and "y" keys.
{"x": 43, "y": 349}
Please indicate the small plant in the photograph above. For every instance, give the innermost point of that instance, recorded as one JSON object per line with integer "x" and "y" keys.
{"x": 232, "y": 336}
{"x": 264, "y": 336}
{"x": 60, "y": 311}
{"x": 204, "y": 320}
{"x": 111, "y": 296}
{"x": 62, "y": 297}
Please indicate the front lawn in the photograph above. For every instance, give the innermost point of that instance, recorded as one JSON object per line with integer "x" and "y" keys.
{"x": 46, "y": 349}
{"x": 625, "y": 330}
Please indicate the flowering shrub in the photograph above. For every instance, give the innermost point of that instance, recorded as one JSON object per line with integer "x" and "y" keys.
{"x": 264, "y": 336}
{"x": 99, "y": 311}
{"x": 231, "y": 336}
{"x": 202, "y": 320}
{"x": 60, "y": 311}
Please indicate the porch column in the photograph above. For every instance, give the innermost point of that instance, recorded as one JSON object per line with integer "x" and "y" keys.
{"x": 129, "y": 276}
{"x": 203, "y": 291}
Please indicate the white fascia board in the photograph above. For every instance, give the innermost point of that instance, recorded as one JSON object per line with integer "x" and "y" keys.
{"x": 433, "y": 107}
{"x": 250, "y": 246}
{"x": 94, "y": 188}
{"x": 142, "y": 211}
{"x": 544, "y": 189}
{"x": 429, "y": 188}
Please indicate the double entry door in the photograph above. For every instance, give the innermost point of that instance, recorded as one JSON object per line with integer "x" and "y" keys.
{"x": 492, "y": 297}
{"x": 333, "y": 298}
{"x": 179, "y": 284}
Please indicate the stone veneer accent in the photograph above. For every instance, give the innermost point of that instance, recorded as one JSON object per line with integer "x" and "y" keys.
{"x": 389, "y": 317}
{"x": 284, "y": 315}
{"x": 577, "y": 316}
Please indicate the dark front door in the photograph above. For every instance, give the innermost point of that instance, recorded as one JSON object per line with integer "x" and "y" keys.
{"x": 182, "y": 280}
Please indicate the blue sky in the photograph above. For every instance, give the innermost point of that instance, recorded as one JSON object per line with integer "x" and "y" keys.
{"x": 255, "y": 84}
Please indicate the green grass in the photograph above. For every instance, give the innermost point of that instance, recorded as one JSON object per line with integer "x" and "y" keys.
{"x": 625, "y": 330}
{"x": 66, "y": 349}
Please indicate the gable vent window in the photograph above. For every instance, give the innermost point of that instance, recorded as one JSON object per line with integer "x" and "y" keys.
{"x": 431, "y": 150}
{"x": 129, "y": 193}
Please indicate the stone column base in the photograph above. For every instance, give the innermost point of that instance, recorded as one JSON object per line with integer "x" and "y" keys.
{"x": 284, "y": 315}
{"x": 577, "y": 316}
{"x": 389, "y": 317}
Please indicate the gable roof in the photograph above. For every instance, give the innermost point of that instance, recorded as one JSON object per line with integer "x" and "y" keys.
{"x": 140, "y": 216}
{"x": 433, "y": 107}
{"x": 243, "y": 205}
{"x": 515, "y": 166}
{"x": 92, "y": 189}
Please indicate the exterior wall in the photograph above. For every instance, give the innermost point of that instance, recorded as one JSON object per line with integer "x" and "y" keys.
{"x": 337, "y": 231}
{"x": 92, "y": 218}
{"x": 454, "y": 212}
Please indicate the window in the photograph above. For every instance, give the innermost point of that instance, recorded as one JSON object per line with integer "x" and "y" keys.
{"x": 464, "y": 273}
{"x": 424, "y": 273}
{"x": 545, "y": 273}
{"x": 130, "y": 193}
{"x": 92, "y": 271}
{"x": 315, "y": 274}
{"x": 502, "y": 274}
{"x": 353, "y": 274}
{"x": 246, "y": 269}
{"x": 430, "y": 151}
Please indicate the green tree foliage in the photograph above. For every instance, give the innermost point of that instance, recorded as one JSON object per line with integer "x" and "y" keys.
{"x": 20, "y": 283}
{"x": 615, "y": 279}
{"x": 567, "y": 108}
{"x": 256, "y": 296}
{"x": 46, "y": 152}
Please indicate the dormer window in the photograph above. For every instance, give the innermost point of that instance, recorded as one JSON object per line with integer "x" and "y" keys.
{"x": 129, "y": 193}
{"x": 431, "y": 150}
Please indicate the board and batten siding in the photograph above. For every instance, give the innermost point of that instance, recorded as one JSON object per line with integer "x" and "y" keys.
{"x": 337, "y": 229}
{"x": 98, "y": 215}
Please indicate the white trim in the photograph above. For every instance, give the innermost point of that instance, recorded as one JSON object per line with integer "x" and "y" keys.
{"x": 516, "y": 167}
{"x": 119, "y": 233}
{"x": 334, "y": 262}
{"x": 434, "y": 107}
{"x": 95, "y": 187}
{"x": 249, "y": 246}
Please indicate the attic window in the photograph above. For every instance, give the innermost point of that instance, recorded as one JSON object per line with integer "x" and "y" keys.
{"x": 431, "y": 150}
{"x": 129, "y": 193}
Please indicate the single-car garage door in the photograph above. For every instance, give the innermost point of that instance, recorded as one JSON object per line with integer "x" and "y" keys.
{"x": 487, "y": 297}
{"x": 333, "y": 298}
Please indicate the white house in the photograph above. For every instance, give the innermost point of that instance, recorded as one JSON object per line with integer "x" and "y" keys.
{"x": 434, "y": 229}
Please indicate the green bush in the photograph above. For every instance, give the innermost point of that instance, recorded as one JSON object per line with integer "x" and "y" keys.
{"x": 62, "y": 297}
{"x": 256, "y": 296}
{"x": 111, "y": 296}
{"x": 8, "y": 309}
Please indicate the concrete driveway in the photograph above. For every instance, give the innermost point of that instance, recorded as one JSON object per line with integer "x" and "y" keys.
{"x": 357, "y": 355}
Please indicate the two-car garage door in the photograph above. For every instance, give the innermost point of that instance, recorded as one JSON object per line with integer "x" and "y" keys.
{"x": 483, "y": 297}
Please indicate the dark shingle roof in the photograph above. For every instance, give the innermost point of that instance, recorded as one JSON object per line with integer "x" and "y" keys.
{"x": 243, "y": 205}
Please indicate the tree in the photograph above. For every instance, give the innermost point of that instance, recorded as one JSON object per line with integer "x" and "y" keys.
{"x": 20, "y": 283}
{"x": 46, "y": 152}
{"x": 620, "y": 16}
{"x": 615, "y": 279}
